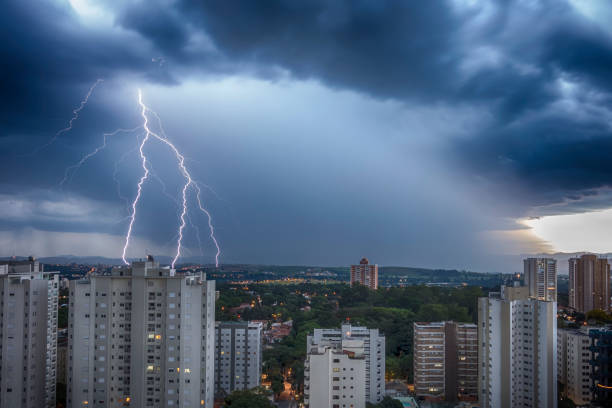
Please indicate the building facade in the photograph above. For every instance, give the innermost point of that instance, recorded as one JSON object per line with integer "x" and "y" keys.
{"x": 517, "y": 350}
{"x": 446, "y": 361}
{"x": 589, "y": 283}
{"x": 573, "y": 361}
{"x": 374, "y": 354}
{"x": 28, "y": 334}
{"x": 541, "y": 278}
{"x": 334, "y": 376}
{"x": 365, "y": 274}
{"x": 601, "y": 347}
{"x": 238, "y": 356}
{"x": 142, "y": 336}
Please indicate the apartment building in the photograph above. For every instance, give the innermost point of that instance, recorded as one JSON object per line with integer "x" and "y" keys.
{"x": 28, "y": 334}
{"x": 589, "y": 283}
{"x": 142, "y": 336}
{"x": 446, "y": 361}
{"x": 238, "y": 356}
{"x": 365, "y": 274}
{"x": 374, "y": 354}
{"x": 517, "y": 350}
{"x": 574, "y": 369}
{"x": 541, "y": 278}
{"x": 334, "y": 375}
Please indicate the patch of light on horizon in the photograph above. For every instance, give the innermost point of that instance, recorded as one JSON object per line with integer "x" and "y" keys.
{"x": 588, "y": 231}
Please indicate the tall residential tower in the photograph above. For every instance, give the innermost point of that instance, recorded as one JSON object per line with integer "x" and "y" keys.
{"x": 28, "y": 334}
{"x": 142, "y": 336}
{"x": 365, "y": 274}
{"x": 541, "y": 278}
{"x": 518, "y": 350}
{"x": 589, "y": 283}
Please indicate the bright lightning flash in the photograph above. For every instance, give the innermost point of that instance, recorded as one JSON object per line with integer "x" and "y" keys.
{"x": 75, "y": 116}
{"x": 189, "y": 184}
{"x": 89, "y": 155}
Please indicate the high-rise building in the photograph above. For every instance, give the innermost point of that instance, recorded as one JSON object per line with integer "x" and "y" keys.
{"x": 374, "y": 354}
{"x": 517, "y": 353}
{"x": 589, "y": 283}
{"x": 238, "y": 359}
{"x": 573, "y": 362}
{"x": 365, "y": 274}
{"x": 334, "y": 375}
{"x": 446, "y": 361}
{"x": 601, "y": 347}
{"x": 142, "y": 336}
{"x": 541, "y": 278}
{"x": 28, "y": 334}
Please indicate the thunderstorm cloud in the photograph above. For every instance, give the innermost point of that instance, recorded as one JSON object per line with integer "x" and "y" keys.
{"x": 328, "y": 130}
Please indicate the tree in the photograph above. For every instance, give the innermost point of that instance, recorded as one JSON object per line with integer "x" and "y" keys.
{"x": 599, "y": 315}
{"x": 278, "y": 385}
{"x": 247, "y": 399}
{"x": 386, "y": 402}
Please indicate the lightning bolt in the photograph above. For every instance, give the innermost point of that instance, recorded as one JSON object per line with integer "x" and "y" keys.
{"x": 116, "y": 177}
{"x": 144, "y": 177}
{"x": 175, "y": 201}
{"x": 211, "y": 228}
{"x": 75, "y": 116}
{"x": 198, "y": 195}
{"x": 89, "y": 155}
{"x": 189, "y": 184}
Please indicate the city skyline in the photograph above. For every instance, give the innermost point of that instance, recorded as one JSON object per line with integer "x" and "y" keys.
{"x": 324, "y": 130}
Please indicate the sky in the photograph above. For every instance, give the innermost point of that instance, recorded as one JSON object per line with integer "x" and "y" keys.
{"x": 448, "y": 134}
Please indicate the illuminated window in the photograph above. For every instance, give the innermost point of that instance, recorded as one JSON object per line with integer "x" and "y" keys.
{"x": 158, "y": 337}
{"x": 150, "y": 368}
{"x": 187, "y": 370}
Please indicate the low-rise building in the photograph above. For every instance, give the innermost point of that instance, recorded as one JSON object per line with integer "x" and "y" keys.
{"x": 446, "y": 361}
{"x": 601, "y": 366}
{"x": 238, "y": 358}
{"x": 573, "y": 361}
{"x": 373, "y": 351}
{"x": 335, "y": 376}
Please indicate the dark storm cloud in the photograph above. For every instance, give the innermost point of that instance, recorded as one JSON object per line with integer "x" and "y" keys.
{"x": 388, "y": 49}
{"x": 430, "y": 54}
{"x": 49, "y": 59}
{"x": 536, "y": 74}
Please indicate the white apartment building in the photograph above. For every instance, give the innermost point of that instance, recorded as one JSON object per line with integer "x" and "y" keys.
{"x": 541, "y": 278}
{"x": 28, "y": 334}
{"x": 374, "y": 354}
{"x": 518, "y": 350}
{"x": 238, "y": 356}
{"x": 142, "y": 336}
{"x": 574, "y": 369}
{"x": 334, "y": 375}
